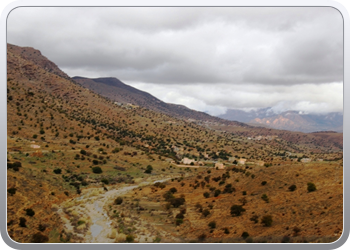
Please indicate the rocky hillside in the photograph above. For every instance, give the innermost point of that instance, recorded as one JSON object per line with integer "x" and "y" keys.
{"x": 115, "y": 90}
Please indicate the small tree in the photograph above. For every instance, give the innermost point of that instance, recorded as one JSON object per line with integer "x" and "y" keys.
{"x": 173, "y": 190}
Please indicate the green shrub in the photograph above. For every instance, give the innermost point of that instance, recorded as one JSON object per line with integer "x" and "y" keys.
{"x": 39, "y": 238}
{"x": 176, "y": 202}
{"x": 157, "y": 240}
{"x": 118, "y": 201}
{"x": 15, "y": 166}
{"x": 12, "y": 191}
{"x": 266, "y": 220}
{"x": 41, "y": 228}
{"x": 292, "y": 188}
{"x": 245, "y": 235}
{"x": 217, "y": 192}
{"x": 129, "y": 238}
{"x": 212, "y": 224}
{"x": 30, "y": 212}
{"x": 83, "y": 152}
{"x": 173, "y": 190}
{"x": 311, "y": 187}
{"x": 57, "y": 171}
{"x": 180, "y": 216}
{"x": 22, "y": 222}
{"x": 249, "y": 240}
{"x": 237, "y": 210}
{"x": 285, "y": 239}
{"x": 206, "y": 212}
{"x": 105, "y": 181}
{"x": 149, "y": 169}
{"x": 202, "y": 237}
{"x": 265, "y": 198}
{"x": 168, "y": 195}
{"x": 254, "y": 218}
{"x": 263, "y": 183}
{"x": 81, "y": 222}
{"x": 206, "y": 194}
{"x": 97, "y": 170}
{"x": 178, "y": 222}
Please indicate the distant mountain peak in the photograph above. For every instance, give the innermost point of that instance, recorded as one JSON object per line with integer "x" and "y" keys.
{"x": 288, "y": 120}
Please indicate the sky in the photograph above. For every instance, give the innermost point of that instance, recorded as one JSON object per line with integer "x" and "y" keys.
{"x": 208, "y": 59}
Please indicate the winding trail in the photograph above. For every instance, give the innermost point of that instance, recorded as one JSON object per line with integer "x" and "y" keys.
{"x": 90, "y": 207}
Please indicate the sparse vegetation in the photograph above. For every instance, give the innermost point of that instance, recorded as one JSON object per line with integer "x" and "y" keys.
{"x": 87, "y": 140}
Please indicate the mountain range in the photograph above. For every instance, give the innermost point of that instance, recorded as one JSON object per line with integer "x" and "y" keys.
{"x": 288, "y": 120}
{"x": 292, "y": 120}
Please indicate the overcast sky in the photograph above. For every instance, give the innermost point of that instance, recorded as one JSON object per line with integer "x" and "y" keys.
{"x": 209, "y": 59}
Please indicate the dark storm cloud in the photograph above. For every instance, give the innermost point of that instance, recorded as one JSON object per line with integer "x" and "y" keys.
{"x": 259, "y": 47}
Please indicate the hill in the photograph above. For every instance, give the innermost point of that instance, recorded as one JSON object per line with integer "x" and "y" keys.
{"x": 115, "y": 90}
{"x": 64, "y": 140}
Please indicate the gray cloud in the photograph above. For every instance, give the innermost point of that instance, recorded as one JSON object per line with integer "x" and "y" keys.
{"x": 262, "y": 48}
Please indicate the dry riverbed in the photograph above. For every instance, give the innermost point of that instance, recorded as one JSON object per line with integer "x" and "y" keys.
{"x": 88, "y": 218}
